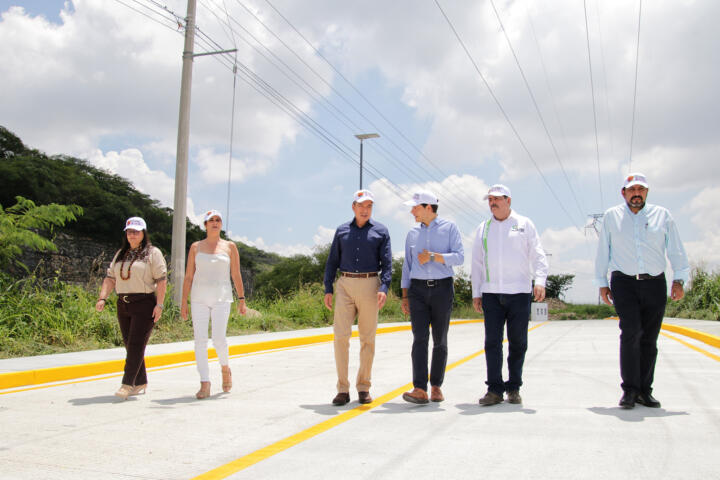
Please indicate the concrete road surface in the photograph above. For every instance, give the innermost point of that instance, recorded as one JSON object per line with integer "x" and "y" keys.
{"x": 278, "y": 423}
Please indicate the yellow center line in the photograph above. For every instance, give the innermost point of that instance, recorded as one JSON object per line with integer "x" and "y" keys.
{"x": 689, "y": 345}
{"x": 257, "y": 456}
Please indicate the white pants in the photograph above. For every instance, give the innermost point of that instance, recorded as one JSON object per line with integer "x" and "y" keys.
{"x": 201, "y": 314}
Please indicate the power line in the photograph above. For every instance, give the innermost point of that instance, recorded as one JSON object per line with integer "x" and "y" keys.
{"x": 145, "y": 14}
{"x": 462, "y": 209}
{"x": 537, "y": 108}
{"x": 502, "y": 110}
{"x": 592, "y": 92}
{"x": 468, "y": 197}
{"x": 637, "y": 63}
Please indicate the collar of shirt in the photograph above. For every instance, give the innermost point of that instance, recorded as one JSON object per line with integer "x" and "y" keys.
{"x": 369, "y": 223}
{"x": 512, "y": 216}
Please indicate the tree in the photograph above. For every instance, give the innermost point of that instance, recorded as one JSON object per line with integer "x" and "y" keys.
{"x": 557, "y": 285}
{"x": 291, "y": 273}
{"x": 21, "y": 224}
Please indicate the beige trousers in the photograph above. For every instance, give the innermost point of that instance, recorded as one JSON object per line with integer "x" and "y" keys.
{"x": 355, "y": 297}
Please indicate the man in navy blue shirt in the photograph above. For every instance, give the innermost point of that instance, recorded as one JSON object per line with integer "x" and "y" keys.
{"x": 360, "y": 249}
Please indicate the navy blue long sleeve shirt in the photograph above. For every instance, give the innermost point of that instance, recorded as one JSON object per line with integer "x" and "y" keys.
{"x": 360, "y": 250}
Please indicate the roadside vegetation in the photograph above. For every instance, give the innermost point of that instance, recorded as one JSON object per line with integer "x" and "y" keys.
{"x": 41, "y": 314}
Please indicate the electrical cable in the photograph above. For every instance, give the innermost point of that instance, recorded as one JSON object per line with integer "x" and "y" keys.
{"x": 502, "y": 110}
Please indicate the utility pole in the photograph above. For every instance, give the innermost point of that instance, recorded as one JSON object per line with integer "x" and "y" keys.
{"x": 177, "y": 254}
{"x": 177, "y": 251}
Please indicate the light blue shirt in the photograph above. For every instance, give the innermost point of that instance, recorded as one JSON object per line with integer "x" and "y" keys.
{"x": 441, "y": 236}
{"x": 638, "y": 243}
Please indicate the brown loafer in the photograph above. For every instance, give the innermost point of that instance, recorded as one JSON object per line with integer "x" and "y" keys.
{"x": 418, "y": 395}
{"x": 436, "y": 394}
{"x": 513, "y": 396}
{"x": 341, "y": 398}
{"x": 490, "y": 398}
{"x": 364, "y": 397}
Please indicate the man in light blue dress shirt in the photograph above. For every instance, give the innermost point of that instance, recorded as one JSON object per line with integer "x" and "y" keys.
{"x": 635, "y": 240}
{"x": 431, "y": 250}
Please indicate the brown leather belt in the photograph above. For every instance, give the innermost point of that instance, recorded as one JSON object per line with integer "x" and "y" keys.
{"x": 359, "y": 275}
{"x": 134, "y": 297}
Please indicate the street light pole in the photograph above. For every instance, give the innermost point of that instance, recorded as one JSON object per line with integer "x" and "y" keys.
{"x": 361, "y": 137}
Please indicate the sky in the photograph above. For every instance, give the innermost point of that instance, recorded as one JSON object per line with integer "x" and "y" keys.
{"x": 464, "y": 94}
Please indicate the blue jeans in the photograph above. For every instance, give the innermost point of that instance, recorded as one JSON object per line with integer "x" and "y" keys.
{"x": 514, "y": 309}
{"x": 430, "y": 304}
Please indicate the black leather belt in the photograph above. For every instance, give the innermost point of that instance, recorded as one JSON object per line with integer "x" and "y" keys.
{"x": 639, "y": 276}
{"x": 431, "y": 283}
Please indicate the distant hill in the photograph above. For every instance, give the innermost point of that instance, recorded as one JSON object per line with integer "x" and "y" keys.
{"x": 107, "y": 199}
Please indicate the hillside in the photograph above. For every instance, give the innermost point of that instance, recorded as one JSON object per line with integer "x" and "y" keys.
{"x": 107, "y": 200}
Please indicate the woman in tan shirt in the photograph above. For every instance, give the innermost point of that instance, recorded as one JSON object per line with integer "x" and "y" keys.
{"x": 139, "y": 276}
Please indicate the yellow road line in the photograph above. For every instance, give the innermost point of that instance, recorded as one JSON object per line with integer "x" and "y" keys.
{"x": 71, "y": 372}
{"x": 155, "y": 369}
{"x": 689, "y": 345}
{"x": 707, "y": 338}
{"x": 250, "y": 459}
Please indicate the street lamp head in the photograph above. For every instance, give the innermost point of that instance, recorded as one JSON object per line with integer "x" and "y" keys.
{"x": 365, "y": 136}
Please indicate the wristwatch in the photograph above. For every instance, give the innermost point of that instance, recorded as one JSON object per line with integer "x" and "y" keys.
{"x": 432, "y": 257}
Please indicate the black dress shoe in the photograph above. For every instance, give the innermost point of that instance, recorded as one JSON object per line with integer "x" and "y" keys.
{"x": 648, "y": 400}
{"x": 341, "y": 398}
{"x": 628, "y": 400}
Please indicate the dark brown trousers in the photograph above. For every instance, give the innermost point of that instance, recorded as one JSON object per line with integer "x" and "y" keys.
{"x": 134, "y": 313}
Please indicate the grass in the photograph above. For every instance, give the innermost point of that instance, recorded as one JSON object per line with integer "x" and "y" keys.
{"x": 49, "y": 316}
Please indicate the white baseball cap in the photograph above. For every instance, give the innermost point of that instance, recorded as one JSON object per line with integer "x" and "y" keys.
{"x": 422, "y": 196}
{"x": 498, "y": 190}
{"x": 135, "y": 223}
{"x": 362, "y": 196}
{"x": 212, "y": 213}
{"x": 636, "y": 179}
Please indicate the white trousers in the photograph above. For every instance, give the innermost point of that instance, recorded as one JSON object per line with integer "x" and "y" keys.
{"x": 201, "y": 315}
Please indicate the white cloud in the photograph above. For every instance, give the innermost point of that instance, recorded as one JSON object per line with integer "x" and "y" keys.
{"x": 323, "y": 236}
{"x": 214, "y": 166}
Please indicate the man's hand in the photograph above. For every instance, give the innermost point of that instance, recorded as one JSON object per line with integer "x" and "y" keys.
{"x": 405, "y": 305}
{"x": 328, "y": 301}
{"x": 477, "y": 304}
{"x": 677, "y": 291}
{"x": 539, "y": 293}
{"x": 606, "y": 295}
{"x": 424, "y": 257}
{"x": 184, "y": 311}
{"x": 382, "y": 297}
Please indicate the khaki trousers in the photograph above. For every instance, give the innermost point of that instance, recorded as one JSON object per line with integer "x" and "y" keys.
{"x": 355, "y": 297}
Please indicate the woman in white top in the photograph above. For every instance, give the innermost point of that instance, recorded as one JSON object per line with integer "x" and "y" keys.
{"x": 211, "y": 263}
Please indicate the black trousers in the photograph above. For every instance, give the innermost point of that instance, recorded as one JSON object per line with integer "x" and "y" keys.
{"x": 136, "y": 324}
{"x": 640, "y": 304}
{"x": 431, "y": 303}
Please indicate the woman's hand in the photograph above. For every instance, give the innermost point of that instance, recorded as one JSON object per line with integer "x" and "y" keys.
{"x": 157, "y": 313}
{"x": 242, "y": 308}
{"x": 100, "y": 305}
{"x": 184, "y": 311}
